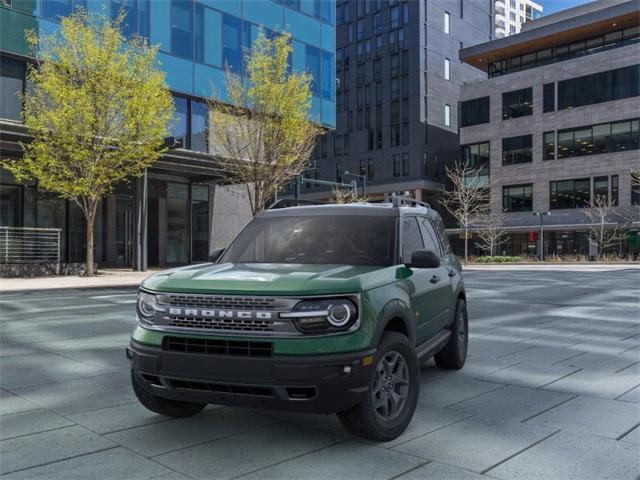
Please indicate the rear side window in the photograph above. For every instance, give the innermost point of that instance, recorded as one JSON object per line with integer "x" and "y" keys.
{"x": 430, "y": 238}
{"x": 411, "y": 238}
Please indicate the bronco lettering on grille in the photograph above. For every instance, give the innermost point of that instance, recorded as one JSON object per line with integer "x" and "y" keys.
{"x": 208, "y": 313}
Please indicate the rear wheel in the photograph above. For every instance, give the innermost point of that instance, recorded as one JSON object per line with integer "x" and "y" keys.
{"x": 392, "y": 395}
{"x": 454, "y": 354}
{"x": 164, "y": 406}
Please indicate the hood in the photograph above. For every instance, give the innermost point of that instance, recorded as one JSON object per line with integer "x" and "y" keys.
{"x": 270, "y": 279}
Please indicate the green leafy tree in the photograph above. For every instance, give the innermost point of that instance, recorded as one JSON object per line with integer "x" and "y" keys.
{"x": 97, "y": 107}
{"x": 261, "y": 131}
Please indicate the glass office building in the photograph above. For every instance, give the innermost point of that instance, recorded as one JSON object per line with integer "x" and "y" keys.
{"x": 198, "y": 40}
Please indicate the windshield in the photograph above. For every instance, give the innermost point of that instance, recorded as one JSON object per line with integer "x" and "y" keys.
{"x": 317, "y": 239}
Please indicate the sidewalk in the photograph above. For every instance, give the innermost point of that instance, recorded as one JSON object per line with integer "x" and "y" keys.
{"x": 105, "y": 278}
{"x": 563, "y": 267}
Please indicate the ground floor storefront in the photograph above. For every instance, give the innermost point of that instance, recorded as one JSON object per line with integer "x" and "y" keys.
{"x": 556, "y": 243}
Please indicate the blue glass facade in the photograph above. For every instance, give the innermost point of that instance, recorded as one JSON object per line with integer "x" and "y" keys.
{"x": 198, "y": 39}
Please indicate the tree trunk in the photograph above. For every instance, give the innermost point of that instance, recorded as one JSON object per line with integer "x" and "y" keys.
{"x": 90, "y": 216}
{"x": 466, "y": 244}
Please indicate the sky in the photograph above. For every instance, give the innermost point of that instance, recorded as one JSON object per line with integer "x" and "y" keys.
{"x": 552, "y": 6}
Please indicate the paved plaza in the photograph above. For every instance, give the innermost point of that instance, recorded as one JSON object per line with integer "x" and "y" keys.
{"x": 551, "y": 390}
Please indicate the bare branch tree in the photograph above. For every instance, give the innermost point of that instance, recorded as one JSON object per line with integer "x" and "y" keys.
{"x": 261, "y": 131}
{"x": 491, "y": 233}
{"x": 467, "y": 197}
{"x": 606, "y": 223}
{"x": 342, "y": 195}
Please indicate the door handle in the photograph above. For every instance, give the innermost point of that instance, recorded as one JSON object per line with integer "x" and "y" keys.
{"x": 435, "y": 279}
{"x": 452, "y": 272}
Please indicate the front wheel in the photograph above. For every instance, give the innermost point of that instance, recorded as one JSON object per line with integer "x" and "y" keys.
{"x": 392, "y": 395}
{"x": 454, "y": 354}
{"x": 164, "y": 406}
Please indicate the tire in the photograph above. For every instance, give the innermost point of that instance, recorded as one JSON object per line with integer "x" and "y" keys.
{"x": 164, "y": 406}
{"x": 454, "y": 354}
{"x": 368, "y": 419}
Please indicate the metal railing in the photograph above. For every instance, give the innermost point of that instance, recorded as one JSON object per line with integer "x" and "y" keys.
{"x": 29, "y": 245}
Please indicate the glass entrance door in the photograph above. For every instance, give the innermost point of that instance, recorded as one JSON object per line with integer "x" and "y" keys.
{"x": 124, "y": 231}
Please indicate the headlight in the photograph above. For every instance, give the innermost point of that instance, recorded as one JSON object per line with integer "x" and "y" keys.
{"x": 147, "y": 304}
{"x": 323, "y": 316}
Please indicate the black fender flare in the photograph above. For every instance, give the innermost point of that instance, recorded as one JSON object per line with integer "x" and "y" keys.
{"x": 392, "y": 310}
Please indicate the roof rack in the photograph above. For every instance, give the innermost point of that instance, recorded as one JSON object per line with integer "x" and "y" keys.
{"x": 293, "y": 202}
{"x": 405, "y": 200}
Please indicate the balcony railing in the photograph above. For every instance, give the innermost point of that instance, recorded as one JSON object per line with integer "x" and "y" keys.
{"x": 30, "y": 245}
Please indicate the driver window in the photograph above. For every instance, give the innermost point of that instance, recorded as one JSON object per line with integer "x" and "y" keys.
{"x": 411, "y": 238}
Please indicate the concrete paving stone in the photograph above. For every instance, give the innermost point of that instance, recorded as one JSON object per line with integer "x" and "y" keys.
{"x": 598, "y": 362}
{"x": 115, "y": 463}
{"x": 164, "y": 437}
{"x": 551, "y": 340}
{"x": 511, "y": 403}
{"x": 33, "y": 421}
{"x": 348, "y": 460}
{"x": 633, "y": 436}
{"x": 10, "y": 349}
{"x": 229, "y": 457}
{"x": 449, "y": 391}
{"x": 605, "y": 346}
{"x": 440, "y": 471}
{"x": 40, "y": 448}
{"x": 568, "y": 456}
{"x": 172, "y": 476}
{"x": 542, "y": 355}
{"x": 529, "y": 374}
{"x": 475, "y": 444}
{"x": 596, "y": 416}
{"x": 10, "y": 403}
{"x": 631, "y": 354}
{"x": 119, "y": 417}
{"x": 484, "y": 347}
{"x": 474, "y": 367}
{"x": 42, "y": 368}
{"x": 631, "y": 396}
{"x": 596, "y": 384}
{"x": 82, "y": 395}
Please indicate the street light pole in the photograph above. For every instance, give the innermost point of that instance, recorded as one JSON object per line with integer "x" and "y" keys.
{"x": 364, "y": 181}
{"x": 541, "y": 215}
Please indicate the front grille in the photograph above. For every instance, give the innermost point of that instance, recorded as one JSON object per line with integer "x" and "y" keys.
{"x": 236, "y": 325}
{"x": 218, "y": 347}
{"x": 215, "y": 301}
{"x": 254, "y": 390}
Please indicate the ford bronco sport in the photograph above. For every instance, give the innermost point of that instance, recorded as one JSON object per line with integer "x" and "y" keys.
{"x": 319, "y": 309}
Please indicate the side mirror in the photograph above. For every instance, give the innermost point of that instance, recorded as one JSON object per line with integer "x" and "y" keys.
{"x": 424, "y": 259}
{"x": 215, "y": 255}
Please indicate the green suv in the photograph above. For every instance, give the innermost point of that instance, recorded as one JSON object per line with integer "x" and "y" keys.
{"x": 317, "y": 308}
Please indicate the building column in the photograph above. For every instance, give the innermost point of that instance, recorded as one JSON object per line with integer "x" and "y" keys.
{"x": 140, "y": 250}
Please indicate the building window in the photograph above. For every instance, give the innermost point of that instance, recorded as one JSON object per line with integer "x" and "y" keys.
{"x": 447, "y": 115}
{"x": 231, "y": 43}
{"x": 56, "y": 9}
{"x": 337, "y": 145}
{"x": 199, "y": 126}
{"x": 179, "y": 125}
{"x": 394, "y": 16}
{"x": 339, "y": 172}
{"x": 474, "y": 112}
{"x": 312, "y": 61}
{"x": 12, "y": 79}
{"x": 517, "y": 198}
{"x": 447, "y": 23}
{"x": 549, "y": 97}
{"x": 603, "y": 138}
{"x": 396, "y": 166}
{"x": 477, "y": 156}
{"x": 377, "y": 24}
{"x": 405, "y": 164}
{"x": 328, "y": 75}
{"x": 447, "y": 69}
{"x": 395, "y": 135}
{"x": 370, "y": 168}
{"x": 517, "y": 103}
{"x": 570, "y": 193}
{"x": 516, "y": 150}
{"x": 601, "y": 188}
{"x": 599, "y": 87}
{"x": 182, "y": 28}
{"x": 345, "y": 144}
{"x": 136, "y": 20}
{"x": 635, "y": 188}
{"x": 370, "y": 140}
{"x": 549, "y": 145}
{"x": 615, "y": 192}
{"x": 378, "y": 139}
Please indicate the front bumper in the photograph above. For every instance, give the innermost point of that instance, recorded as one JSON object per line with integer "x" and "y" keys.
{"x": 300, "y": 383}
